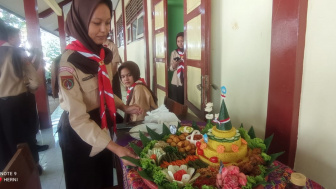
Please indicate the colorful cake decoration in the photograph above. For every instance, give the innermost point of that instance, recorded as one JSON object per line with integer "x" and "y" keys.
{"x": 208, "y": 109}
{"x": 209, "y": 116}
{"x": 205, "y": 137}
{"x": 223, "y": 122}
{"x": 223, "y": 91}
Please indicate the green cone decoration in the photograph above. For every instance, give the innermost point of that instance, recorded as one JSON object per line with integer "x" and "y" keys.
{"x": 223, "y": 121}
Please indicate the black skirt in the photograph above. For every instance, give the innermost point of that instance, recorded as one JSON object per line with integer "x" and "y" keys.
{"x": 17, "y": 125}
{"x": 178, "y": 93}
{"x": 80, "y": 170}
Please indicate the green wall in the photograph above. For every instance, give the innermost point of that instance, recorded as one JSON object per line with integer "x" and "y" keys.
{"x": 175, "y": 25}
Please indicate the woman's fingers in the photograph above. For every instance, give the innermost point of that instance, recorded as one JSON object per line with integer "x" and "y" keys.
{"x": 140, "y": 110}
{"x": 175, "y": 64}
{"x": 127, "y": 163}
{"x": 126, "y": 152}
{"x": 134, "y": 109}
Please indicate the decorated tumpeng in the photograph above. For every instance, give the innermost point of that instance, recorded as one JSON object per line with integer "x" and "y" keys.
{"x": 222, "y": 142}
{"x": 225, "y": 157}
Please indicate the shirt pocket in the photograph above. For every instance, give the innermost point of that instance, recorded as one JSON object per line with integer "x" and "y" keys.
{"x": 89, "y": 85}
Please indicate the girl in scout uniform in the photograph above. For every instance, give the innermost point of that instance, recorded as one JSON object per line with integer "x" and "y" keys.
{"x": 177, "y": 65}
{"x": 137, "y": 90}
{"x": 86, "y": 95}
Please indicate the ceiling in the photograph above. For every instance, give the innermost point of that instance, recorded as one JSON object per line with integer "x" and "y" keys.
{"x": 48, "y": 19}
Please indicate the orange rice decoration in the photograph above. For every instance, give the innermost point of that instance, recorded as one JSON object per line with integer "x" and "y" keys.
{"x": 243, "y": 141}
{"x": 234, "y": 148}
{"x": 220, "y": 149}
{"x": 203, "y": 146}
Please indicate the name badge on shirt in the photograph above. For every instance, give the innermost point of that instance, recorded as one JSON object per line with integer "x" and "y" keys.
{"x": 88, "y": 77}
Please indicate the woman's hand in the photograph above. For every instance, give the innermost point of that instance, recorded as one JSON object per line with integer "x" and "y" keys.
{"x": 175, "y": 64}
{"x": 133, "y": 109}
{"x": 121, "y": 152}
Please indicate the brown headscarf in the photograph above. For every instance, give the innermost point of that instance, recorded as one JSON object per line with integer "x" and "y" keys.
{"x": 180, "y": 34}
{"x": 78, "y": 20}
{"x": 77, "y": 26}
{"x": 133, "y": 69}
{"x": 135, "y": 72}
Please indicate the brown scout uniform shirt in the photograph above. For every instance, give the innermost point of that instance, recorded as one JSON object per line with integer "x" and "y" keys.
{"x": 175, "y": 80}
{"x": 10, "y": 84}
{"x": 142, "y": 97}
{"x": 78, "y": 95}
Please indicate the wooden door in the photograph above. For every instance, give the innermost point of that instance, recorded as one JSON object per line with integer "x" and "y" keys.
{"x": 160, "y": 55}
{"x": 197, "y": 54}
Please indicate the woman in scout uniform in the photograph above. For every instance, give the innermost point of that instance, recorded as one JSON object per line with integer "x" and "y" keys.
{"x": 87, "y": 97}
{"x": 177, "y": 65}
{"x": 137, "y": 90}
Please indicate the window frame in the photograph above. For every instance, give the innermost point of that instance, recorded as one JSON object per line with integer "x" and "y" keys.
{"x": 129, "y": 34}
{"x": 141, "y": 14}
{"x": 120, "y": 32}
{"x": 133, "y": 34}
{"x": 130, "y": 29}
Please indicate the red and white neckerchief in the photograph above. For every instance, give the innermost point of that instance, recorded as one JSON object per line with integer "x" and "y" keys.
{"x": 105, "y": 87}
{"x": 180, "y": 67}
{"x": 129, "y": 89}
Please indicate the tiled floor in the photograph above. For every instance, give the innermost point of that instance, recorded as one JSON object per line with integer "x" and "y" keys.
{"x": 51, "y": 159}
{"x": 53, "y": 103}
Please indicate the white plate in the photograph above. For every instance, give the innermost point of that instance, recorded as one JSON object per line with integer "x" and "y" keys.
{"x": 142, "y": 127}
